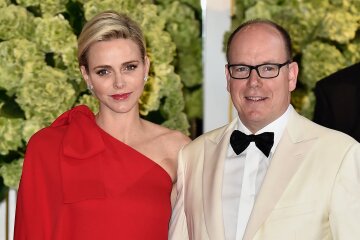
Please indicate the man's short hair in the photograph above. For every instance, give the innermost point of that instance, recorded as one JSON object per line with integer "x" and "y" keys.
{"x": 285, "y": 35}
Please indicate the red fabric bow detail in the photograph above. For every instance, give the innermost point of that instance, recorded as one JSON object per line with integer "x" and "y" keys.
{"x": 80, "y": 158}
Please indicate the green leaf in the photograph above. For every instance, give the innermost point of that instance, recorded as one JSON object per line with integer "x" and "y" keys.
{"x": 11, "y": 173}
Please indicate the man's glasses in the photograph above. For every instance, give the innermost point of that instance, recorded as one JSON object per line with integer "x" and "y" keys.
{"x": 266, "y": 70}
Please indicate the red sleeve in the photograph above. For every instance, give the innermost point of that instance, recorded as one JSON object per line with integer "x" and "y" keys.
{"x": 55, "y": 174}
{"x": 39, "y": 197}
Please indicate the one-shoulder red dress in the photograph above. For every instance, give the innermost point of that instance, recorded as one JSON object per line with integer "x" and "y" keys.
{"x": 78, "y": 182}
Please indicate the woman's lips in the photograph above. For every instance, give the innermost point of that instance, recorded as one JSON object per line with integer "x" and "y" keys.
{"x": 122, "y": 96}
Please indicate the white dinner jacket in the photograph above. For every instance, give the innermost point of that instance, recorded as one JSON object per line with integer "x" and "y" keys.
{"x": 311, "y": 190}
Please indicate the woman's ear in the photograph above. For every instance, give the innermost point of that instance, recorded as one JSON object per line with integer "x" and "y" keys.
{"x": 147, "y": 65}
{"x": 85, "y": 75}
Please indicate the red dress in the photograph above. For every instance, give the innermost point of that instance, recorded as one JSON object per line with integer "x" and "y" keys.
{"x": 78, "y": 182}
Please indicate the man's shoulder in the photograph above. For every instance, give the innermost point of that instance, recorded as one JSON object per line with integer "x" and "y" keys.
{"x": 305, "y": 128}
{"x": 328, "y": 134}
{"x": 212, "y": 135}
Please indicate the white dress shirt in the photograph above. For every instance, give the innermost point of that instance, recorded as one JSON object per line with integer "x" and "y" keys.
{"x": 243, "y": 176}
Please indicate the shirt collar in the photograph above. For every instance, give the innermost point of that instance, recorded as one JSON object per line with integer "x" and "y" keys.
{"x": 277, "y": 126}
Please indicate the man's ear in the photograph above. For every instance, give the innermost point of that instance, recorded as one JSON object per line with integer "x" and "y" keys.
{"x": 228, "y": 78}
{"x": 293, "y": 74}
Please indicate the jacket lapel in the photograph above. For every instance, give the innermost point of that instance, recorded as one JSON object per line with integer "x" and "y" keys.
{"x": 288, "y": 156}
{"x": 216, "y": 145}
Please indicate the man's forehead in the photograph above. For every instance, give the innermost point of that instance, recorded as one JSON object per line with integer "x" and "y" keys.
{"x": 257, "y": 46}
{"x": 260, "y": 34}
{"x": 258, "y": 27}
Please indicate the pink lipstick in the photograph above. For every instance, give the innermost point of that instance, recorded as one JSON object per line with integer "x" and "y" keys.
{"x": 123, "y": 96}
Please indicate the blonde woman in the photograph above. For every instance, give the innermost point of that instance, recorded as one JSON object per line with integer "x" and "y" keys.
{"x": 103, "y": 176}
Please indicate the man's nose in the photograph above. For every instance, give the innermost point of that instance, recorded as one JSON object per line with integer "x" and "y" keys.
{"x": 254, "y": 78}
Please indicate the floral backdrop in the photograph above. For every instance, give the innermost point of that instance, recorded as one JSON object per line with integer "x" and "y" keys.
{"x": 40, "y": 78}
{"x": 325, "y": 36}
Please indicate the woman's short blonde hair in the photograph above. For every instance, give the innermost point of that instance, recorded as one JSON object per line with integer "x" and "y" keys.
{"x": 105, "y": 26}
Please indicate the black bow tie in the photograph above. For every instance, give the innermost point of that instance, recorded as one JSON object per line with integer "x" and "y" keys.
{"x": 240, "y": 141}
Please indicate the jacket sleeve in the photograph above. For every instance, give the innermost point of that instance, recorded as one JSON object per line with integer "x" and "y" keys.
{"x": 178, "y": 224}
{"x": 345, "y": 203}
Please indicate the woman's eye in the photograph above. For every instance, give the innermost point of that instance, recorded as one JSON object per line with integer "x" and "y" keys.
{"x": 130, "y": 67}
{"x": 102, "y": 72}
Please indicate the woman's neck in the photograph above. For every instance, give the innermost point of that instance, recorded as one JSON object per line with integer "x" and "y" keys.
{"x": 122, "y": 126}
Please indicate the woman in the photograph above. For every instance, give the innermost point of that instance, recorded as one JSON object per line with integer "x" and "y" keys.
{"x": 107, "y": 176}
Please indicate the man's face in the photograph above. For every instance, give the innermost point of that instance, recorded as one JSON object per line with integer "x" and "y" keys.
{"x": 260, "y": 101}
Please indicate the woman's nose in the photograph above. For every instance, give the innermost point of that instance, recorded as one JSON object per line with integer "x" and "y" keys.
{"x": 119, "y": 82}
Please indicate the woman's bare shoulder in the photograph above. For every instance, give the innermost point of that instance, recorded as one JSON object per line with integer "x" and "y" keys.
{"x": 163, "y": 146}
{"x": 171, "y": 140}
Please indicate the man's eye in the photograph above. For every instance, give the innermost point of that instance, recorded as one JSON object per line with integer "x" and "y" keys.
{"x": 269, "y": 68}
{"x": 102, "y": 72}
{"x": 241, "y": 69}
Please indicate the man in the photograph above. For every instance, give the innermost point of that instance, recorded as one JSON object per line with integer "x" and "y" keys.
{"x": 337, "y": 101}
{"x": 304, "y": 183}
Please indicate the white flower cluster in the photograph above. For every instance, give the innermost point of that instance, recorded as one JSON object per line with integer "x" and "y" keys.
{"x": 323, "y": 34}
{"x": 40, "y": 78}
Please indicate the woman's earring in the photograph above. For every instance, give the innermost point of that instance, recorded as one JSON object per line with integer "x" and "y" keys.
{"x": 145, "y": 78}
{"x": 90, "y": 88}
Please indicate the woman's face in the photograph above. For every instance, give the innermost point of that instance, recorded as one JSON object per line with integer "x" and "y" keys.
{"x": 116, "y": 74}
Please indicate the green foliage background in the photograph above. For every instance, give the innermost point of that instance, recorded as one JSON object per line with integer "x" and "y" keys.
{"x": 325, "y": 36}
{"x": 40, "y": 79}
{"x": 39, "y": 76}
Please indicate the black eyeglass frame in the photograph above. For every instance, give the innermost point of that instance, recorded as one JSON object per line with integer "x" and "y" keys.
{"x": 256, "y": 67}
